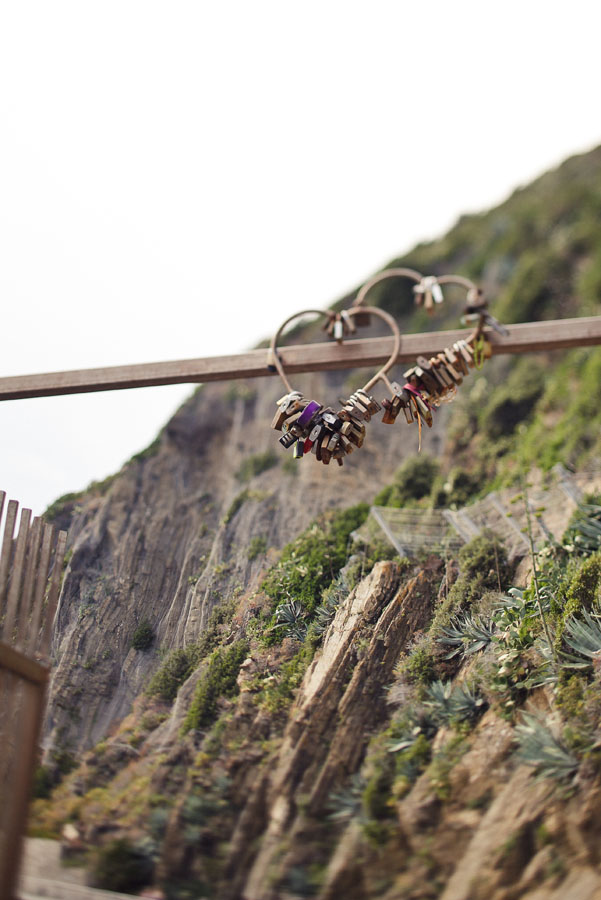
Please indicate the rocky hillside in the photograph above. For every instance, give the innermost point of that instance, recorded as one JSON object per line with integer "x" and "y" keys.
{"x": 246, "y": 706}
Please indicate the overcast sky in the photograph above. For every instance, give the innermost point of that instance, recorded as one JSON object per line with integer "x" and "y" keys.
{"x": 178, "y": 177}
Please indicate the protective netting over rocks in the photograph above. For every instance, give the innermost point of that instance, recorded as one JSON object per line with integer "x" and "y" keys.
{"x": 550, "y": 505}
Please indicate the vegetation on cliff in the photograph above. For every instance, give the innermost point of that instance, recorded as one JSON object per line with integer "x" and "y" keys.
{"x": 438, "y": 723}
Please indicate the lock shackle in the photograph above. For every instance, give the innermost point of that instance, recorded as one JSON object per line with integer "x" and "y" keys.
{"x": 413, "y": 274}
{"x": 425, "y": 285}
{"x": 275, "y": 359}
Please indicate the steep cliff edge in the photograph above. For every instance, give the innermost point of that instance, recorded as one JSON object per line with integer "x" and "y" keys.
{"x": 255, "y": 709}
{"x": 171, "y": 536}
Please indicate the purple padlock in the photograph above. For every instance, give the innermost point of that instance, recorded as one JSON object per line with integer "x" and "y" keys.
{"x": 308, "y": 412}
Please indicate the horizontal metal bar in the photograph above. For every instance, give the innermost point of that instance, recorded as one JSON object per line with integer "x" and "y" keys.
{"x": 21, "y": 665}
{"x": 525, "y": 338}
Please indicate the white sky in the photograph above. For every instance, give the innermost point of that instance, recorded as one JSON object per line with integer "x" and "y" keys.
{"x": 178, "y": 177}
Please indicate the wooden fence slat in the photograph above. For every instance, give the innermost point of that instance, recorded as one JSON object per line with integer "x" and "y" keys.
{"x": 7, "y": 549}
{"x": 40, "y": 588}
{"x": 31, "y": 561}
{"x": 30, "y": 720}
{"x": 2, "y": 499}
{"x": 24, "y": 582}
{"x": 526, "y": 337}
{"x": 14, "y": 590}
{"x": 21, "y": 665}
{"x": 55, "y": 585}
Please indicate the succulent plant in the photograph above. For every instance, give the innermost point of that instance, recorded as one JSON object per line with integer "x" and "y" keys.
{"x": 584, "y": 533}
{"x": 290, "y": 617}
{"x": 447, "y": 702}
{"x": 583, "y": 635}
{"x": 541, "y": 749}
{"x": 468, "y": 634}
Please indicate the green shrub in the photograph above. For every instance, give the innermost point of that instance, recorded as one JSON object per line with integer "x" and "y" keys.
{"x": 63, "y": 761}
{"x": 581, "y": 593}
{"x": 175, "y": 669}
{"x": 443, "y": 763}
{"x": 529, "y": 291}
{"x": 512, "y": 402}
{"x": 150, "y": 451}
{"x": 420, "y": 666}
{"x": 43, "y": 782}
{"x": 313, "y": 560}
{"x": 376, "y": 794}
{"x": 410, "y": 763}
{"x": 63, "y": 504}
{"x": 256, "y": 547}
{"x": 120, "y": 866}
{"x": 179, "y": 664}
{"x": 412, "y": 481}
{"x": 278, "y": 694}
{"x": 217, "y": 681}
{"x": 572, "y": 398}
{"x": 255, "y": 464}
{"x": 143, "y": 636}
{"x": 457, "y": 489}
{"x": 236, "y": 504}
{"x": 482, "y": 567}
{"x": 330, "y": 601}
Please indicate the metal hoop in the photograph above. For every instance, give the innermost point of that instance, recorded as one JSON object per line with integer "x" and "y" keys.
{"x": 276, "y": 360}
{"x": 470, "y": 286}
{"x": 382, "y": 276}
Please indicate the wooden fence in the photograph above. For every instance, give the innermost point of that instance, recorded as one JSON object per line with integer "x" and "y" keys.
{"x": 31, "y": 562}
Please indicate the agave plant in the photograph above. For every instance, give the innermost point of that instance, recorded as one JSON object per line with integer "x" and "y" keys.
{"x": 583, "y": 636}
{"x": 345, "y": 804}
{"x": 467, "y": 634}
{"x": 541, "y": 749}
{"x": 447, "y": 702}
{"x": 584, "y": 534}
{"x": 290, "y": 617}
{"x": 325, "y": 612}
{"x": 416, "y": 721}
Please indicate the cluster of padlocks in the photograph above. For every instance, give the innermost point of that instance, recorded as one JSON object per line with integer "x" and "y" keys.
{"x": 309, "y": 427}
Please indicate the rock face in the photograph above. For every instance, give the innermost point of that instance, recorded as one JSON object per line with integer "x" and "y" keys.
{"x": 265, "y": 783}
{"x": 286, "y": 783}
{"x": 170, "y": 538}
{"x": 339, "y": 704}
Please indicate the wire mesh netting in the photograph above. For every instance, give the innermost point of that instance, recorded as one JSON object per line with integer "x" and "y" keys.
{"x": 411, "y": 531}
{"x": 513, "y": 516}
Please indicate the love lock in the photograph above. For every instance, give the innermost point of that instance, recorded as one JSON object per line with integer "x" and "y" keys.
{"x": 433, "y": 381}
{"x": 309, "y": 427}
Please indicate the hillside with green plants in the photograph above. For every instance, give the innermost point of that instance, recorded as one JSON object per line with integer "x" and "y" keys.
{"x": 249, "y": 704}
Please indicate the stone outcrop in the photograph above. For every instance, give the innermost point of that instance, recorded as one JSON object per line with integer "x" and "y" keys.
{"x": 169, "y": 538}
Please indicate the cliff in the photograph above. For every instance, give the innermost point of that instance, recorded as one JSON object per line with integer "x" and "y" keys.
{"x": 236, "y": 745}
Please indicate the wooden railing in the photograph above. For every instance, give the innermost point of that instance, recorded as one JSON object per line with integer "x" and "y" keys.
{"x": 529, "y": 337}
{"x": 31, "y": 562}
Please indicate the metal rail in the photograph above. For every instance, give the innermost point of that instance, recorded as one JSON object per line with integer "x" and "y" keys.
{"x": 558, "y": 334}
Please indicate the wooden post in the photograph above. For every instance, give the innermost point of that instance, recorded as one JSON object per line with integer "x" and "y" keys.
{"x": 25, "y": 587}
{"x": 27, "y": 732}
